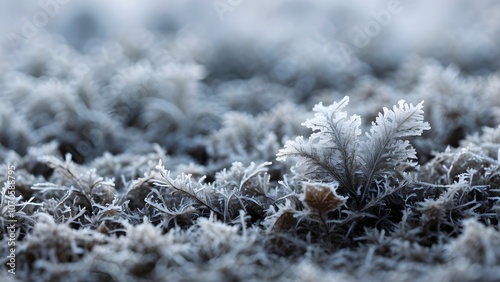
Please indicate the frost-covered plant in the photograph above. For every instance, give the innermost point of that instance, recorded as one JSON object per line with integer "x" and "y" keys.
{"x": 368, "y": 171}
{"x": 237, "y": 189}
{"x": 459, "y": 183}
{"x": 477, "y": 157}
{"x": 334, "y": 151}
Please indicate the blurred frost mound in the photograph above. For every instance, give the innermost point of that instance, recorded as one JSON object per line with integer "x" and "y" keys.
{"x": 127, "y": 72}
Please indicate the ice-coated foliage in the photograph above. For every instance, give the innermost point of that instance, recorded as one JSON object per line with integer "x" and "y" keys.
{"x": 334, "y": 150}
{"x": 331, "y": 149}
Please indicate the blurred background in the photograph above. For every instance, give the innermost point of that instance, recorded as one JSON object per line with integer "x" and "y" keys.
{"x": 204, "y": 79}
{"x": 259, "y": 32}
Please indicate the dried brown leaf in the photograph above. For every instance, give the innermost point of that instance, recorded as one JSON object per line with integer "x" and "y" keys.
{"x": 285, "y": 222}
{"x": 322, "y": 198}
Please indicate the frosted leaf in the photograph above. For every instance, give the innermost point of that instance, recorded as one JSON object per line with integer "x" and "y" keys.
{"x": 335, "y": 152}
{"x": 331, "y": 149}
{"x": 383, "y": 149}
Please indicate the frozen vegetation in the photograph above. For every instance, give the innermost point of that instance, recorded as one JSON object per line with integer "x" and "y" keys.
{"x": 226, "y": 140}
